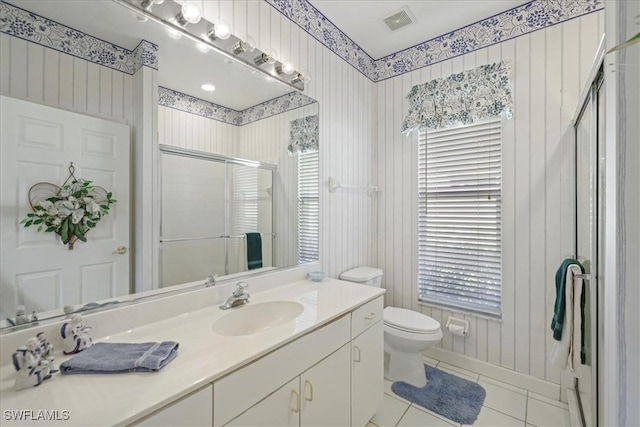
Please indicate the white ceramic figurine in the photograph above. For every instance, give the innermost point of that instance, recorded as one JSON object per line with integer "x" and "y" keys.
{"x": 31, "y": 369}
{"x": 76, "y": 335}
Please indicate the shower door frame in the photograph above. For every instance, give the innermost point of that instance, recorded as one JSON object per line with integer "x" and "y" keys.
{"x": 589, "y": 105}
{"x": 227, "y": 160}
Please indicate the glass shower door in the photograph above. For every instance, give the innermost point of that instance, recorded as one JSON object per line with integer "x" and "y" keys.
{"x": 589, "y": 130}
{"x": 193, "y": 219}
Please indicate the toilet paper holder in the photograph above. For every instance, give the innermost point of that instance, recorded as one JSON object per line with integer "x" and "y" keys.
{"x": 458, "y": 327}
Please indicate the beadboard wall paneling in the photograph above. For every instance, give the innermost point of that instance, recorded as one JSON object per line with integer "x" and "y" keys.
{"x": 345, "y": 97}
{"x": 347, "y": 217}
{"x": 35, "y": 73}
{"x": 550, "y": 68}
{"x": 266, "y": 141}
{"x": 185, "y": 130}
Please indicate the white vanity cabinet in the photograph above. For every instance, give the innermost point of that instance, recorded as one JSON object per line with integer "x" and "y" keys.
{"x": 367, "y": 361}
{"x": 318, "y": 397}
{"x": 367, "y": 374}
{"x": 194, "y": 410}
{"x": 280, "y": 409}
{"x": 330, "y": 377}
{"x": 325, "y": 392}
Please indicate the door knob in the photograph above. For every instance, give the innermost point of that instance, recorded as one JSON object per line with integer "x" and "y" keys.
{"x": 120, "y": 251}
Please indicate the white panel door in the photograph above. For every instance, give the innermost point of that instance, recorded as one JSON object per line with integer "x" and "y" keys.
{"x": 326, "y": 395}
{"x": 36, "y": 269}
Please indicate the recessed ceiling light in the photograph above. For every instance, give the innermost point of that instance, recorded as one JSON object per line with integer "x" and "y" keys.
{"x": 208, "y": 87}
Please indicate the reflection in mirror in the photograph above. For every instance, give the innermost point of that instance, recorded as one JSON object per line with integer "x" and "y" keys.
{"x": 211, "y": 210}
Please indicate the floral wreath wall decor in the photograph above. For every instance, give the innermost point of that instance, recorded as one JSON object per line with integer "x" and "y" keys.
{"x": 69, "y": 211}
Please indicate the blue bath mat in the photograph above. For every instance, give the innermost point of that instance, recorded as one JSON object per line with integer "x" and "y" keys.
{"x": 452, "y": 397}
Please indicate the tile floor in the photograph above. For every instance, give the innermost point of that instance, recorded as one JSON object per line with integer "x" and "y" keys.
{"x": 505, "y": 405}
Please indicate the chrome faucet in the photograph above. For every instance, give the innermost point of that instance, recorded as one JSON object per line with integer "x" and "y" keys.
{"x": 238, "y": 297}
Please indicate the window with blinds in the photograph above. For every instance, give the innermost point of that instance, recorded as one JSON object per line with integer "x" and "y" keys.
{"x": 459, "y": 220}
{"x": 308, "y": 207}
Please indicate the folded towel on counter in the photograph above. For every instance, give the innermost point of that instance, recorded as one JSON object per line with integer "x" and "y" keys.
{"x": 115, "y": 358}
{"x": 254, "y": 251}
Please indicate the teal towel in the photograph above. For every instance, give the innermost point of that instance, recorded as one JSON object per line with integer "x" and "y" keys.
{"x": 558, "y": 310}
{"x": 254, "y": 251}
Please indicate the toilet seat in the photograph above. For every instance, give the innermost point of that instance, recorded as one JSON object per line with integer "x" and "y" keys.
{"x": 410, "y": 321}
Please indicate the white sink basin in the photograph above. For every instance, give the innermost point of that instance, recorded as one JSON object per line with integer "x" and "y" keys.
{"x": 254, "y": 318}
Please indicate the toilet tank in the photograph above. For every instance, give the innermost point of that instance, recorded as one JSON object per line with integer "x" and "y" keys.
{"x": 364, "y": 275}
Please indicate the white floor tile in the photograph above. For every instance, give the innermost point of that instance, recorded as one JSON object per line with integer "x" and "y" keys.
{"x": 505, "y": 401}
{"x": 548, "y": 400}
{"x": 387, "y": 390}
{"x": 484, "y": 378}
{"x": 490, "y": 418}
{"x": 462, "y": 373}
{"x": 390, "y": 413}
{"x": 415, "y": 417}
{"x": 544, "y": 414}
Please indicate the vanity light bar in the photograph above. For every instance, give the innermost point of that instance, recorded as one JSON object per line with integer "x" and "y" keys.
{"x": 201, "y": 32}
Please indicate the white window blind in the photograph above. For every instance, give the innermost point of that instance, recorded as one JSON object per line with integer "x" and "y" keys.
{"x": 308, "y": 206}
{"x": 459, "y": 221}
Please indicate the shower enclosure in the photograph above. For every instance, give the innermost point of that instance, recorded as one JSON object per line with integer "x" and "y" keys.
{"x": 589, "y": 179}
{"x": 208, "y": 205}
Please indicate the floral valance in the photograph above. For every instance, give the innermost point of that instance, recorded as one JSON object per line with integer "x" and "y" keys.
{"x": 461, "y": 98}
{"x": 304, "y": 135}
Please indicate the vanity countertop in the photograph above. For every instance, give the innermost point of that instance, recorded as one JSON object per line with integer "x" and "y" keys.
{"x": 203, "y": 357}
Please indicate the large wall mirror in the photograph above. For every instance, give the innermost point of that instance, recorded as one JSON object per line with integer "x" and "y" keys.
{"x": 235, "y": 193}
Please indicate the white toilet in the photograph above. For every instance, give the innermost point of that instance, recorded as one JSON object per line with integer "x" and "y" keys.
{"x": 407, "y": 333}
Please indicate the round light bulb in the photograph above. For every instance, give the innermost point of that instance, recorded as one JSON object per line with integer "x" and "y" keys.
{"x": 208, "y": 87}
{"x": 191, "y": 12}
{"x": 173, "y": 33}
{"x": 306, "y": 75}
{"x": 287, "y": 67}
{"x": 272, "y": 54}
{"x": 249, "y": 44}
{"x": 203, "y": 47}
{"x": 222, "y": 30}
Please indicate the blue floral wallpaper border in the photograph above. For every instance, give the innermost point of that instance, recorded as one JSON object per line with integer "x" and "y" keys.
{"x": 310, "y": 19}
{"x": 273, "y": 107}
{"x": 190, "y": 104}
{"x": 521, "y": 20}
{"x": 34, "y": 28}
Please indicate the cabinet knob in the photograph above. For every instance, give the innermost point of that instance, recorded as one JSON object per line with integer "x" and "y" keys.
{"x": 296, "y": 401}
{"x": 308, "y": 386}
{"x": 371, "y": 316}
{"x": 356, "y": 353}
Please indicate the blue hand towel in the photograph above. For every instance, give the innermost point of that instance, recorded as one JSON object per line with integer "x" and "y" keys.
{"x": 115, "y": 358}
{"x": 254, "y": 251}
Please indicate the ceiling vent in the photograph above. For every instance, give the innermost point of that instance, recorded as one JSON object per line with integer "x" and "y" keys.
{"x": 399, "y": 19}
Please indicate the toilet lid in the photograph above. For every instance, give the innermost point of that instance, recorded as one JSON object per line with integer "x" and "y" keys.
{"x": 410, "y": 320}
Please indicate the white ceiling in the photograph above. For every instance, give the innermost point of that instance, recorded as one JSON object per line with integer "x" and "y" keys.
{"x": 362, "y": 20}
